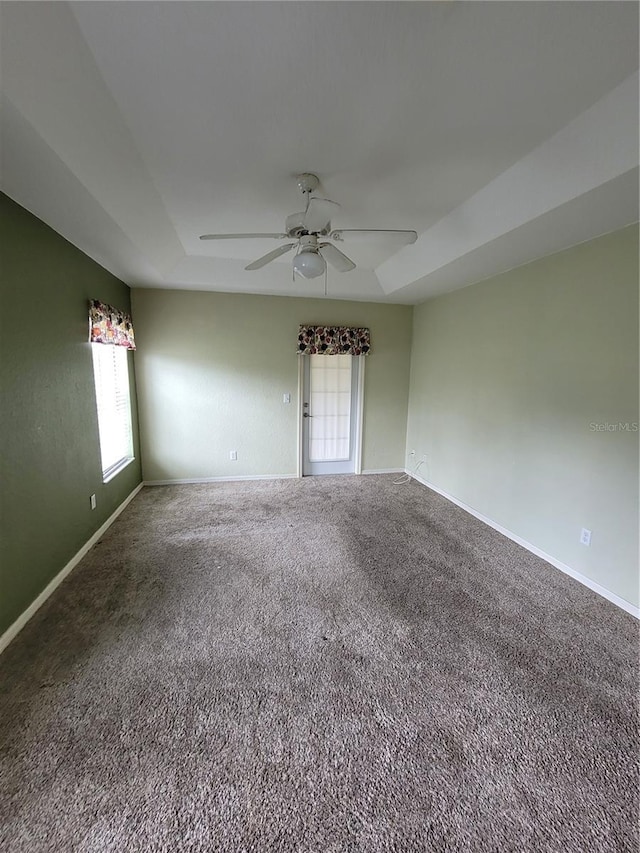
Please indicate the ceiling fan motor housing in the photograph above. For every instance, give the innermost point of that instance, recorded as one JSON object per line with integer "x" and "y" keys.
{"x": 294, "y": 226}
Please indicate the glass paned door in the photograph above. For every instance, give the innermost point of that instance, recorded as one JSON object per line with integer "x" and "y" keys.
{"x": 329, "y": 414}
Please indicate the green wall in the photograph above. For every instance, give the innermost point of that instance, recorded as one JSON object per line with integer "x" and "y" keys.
{"x": 50, "y": 459}
{"x": 513, "y": 383}
{"x": 212, "y": 369}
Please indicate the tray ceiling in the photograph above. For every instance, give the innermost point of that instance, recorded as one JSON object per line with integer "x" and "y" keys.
{"x": 500, "y": 132}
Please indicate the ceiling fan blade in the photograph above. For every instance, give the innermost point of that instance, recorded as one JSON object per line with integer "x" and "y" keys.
{"x": 270, "y": 256}
{"x": 400, "y": 238}
{"x": 319, "y": 214}
{"x": 336, "y": 258}
{"x": 241, "y": 236}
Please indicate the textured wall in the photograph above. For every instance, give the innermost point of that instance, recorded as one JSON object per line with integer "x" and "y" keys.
{"x": 507, "y": 379}
{"x": 212, "y": 369}
{"x": 50, "y": 460}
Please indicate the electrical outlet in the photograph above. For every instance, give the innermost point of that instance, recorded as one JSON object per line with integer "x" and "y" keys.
{"x": 585, "y": 536}
{"x": 92, "y": 501}
{"x": 233, "y": 455}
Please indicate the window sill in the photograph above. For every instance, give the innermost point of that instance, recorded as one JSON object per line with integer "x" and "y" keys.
{"x": 116, "y": 469}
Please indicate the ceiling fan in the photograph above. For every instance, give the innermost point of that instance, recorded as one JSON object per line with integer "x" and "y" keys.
{"x": 306, "y": 229}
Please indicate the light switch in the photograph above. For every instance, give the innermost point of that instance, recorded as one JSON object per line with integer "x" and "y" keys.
{"x": 286, "y": 398}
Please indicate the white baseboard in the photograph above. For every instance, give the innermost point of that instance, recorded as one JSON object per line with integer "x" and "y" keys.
{"x": 188, "y": 480}
{"x": 583, "y": 579}
{"x": 24, "y": 617}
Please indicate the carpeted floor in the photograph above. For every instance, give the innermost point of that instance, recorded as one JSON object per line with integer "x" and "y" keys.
{"x": 332, "y": 665}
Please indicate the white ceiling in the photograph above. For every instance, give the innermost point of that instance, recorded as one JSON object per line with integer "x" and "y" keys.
{"x": 500, "y": 132}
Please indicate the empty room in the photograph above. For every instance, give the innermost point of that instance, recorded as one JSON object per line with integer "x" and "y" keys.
{"x": 319, "y": 428}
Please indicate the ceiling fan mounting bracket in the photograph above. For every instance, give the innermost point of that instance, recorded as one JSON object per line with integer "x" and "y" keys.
{"x": 307, "y": 182}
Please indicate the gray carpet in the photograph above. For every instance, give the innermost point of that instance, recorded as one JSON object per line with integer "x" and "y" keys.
{"x": 333, "y": 665}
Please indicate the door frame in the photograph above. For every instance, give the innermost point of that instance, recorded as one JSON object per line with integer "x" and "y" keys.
{"x": 357, "y": 447}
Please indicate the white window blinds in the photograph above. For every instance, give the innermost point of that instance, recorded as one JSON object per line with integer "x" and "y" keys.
{"x": 111, "y": 376}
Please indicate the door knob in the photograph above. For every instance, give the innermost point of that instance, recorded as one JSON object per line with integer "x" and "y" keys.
{"x": 306, "y": 415}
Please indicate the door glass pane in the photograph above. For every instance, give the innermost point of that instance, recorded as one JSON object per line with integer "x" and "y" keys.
{"x": 330, "y": 407}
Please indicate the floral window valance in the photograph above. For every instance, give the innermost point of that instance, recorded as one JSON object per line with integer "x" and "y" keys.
{"x": 108, "y": 325}
{"x": 333, "y": 340}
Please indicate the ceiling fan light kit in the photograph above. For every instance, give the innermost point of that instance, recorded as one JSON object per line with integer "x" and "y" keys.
{"x": 306, "y": 226}
{"x": 309, "y": 263}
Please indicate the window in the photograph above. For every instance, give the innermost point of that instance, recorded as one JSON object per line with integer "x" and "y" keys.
{"x": 111, "y": 376}
{"x": 330, "y": 398}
